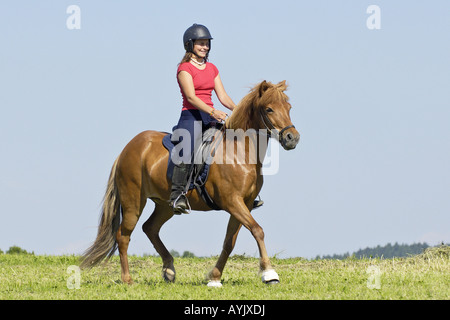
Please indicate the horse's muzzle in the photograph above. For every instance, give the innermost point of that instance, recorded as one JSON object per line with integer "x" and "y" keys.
{"x": 289, "y": 139}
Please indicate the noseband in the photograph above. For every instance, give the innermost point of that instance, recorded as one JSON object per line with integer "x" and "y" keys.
{"x": 271, "y": 128}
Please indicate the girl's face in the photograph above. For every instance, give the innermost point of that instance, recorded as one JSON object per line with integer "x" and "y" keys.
{"x": 201, "y": 47}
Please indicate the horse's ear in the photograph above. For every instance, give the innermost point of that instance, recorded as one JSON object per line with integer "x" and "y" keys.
{"x": 282, "y": 85}
{"x": 263, "y": 87}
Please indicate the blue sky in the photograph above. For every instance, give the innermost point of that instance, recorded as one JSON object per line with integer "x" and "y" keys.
{"x": 372, "y": 108}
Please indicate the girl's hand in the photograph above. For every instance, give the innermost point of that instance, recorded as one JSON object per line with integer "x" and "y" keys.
{"x": 218, "y": 115}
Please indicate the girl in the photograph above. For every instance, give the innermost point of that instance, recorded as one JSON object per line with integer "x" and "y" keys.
{"x": 197, "y": 78}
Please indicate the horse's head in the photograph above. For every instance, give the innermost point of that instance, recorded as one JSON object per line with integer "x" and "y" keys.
{"x": 274, "y": 112}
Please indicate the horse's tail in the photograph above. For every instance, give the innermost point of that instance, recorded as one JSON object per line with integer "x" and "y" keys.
{"x": 105, "y": 244}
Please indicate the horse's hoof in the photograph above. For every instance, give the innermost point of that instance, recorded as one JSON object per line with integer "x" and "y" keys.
{"x": 168, "y": 275}
{"x": 214, "y": 284}
{"x": 270, "y": 277}
{"x": 127, "y": 279}
{"x": 272, "y": 282}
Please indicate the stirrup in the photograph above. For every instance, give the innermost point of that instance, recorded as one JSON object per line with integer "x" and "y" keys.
{"x": 257, "y": 203}
{"x": 180, "y": 210}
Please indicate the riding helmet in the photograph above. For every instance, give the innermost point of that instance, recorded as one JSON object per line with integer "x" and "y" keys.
{"x": 195, "y": 32}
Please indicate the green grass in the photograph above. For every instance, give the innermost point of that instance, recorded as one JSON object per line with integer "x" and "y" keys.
{"x": 426, "y": 276}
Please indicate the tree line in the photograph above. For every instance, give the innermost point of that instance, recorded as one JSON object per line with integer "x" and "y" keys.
{"x": 16, "y": 250}
{"x": 388, "y": 251}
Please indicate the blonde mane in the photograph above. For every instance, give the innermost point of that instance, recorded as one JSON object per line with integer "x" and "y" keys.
{"x": 244, "y": 116}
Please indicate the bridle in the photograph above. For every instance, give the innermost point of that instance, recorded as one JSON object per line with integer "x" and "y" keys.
{"x": 271, "y": 128}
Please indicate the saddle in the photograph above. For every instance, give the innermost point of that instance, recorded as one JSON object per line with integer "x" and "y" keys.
{"x": 199, "y": 172}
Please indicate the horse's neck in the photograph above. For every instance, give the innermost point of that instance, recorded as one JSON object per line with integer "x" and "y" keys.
{"x": 244, "y": 147}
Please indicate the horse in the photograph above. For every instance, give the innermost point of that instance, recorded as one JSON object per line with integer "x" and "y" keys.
{"x": 139, "y": 173}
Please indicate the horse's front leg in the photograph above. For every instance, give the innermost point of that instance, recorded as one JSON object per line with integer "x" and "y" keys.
{"x": 242, "y": 214}
{"x": 269, "y": 276}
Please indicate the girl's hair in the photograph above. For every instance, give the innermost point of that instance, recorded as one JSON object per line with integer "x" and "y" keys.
{"x": 187, "y": 57}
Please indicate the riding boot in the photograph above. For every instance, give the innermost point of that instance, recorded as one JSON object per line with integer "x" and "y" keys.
{"x": 178, "y": 199}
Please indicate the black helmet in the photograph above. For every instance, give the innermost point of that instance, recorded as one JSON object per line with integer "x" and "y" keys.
{"x": 195, "y": 32}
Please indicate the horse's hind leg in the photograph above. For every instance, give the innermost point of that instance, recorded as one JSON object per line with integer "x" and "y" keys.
{"x": 151, "y": 227}
{"x": 130, "y": 216}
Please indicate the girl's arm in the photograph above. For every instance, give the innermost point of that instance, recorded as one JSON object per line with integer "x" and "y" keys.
{"x": 222, "y": 94}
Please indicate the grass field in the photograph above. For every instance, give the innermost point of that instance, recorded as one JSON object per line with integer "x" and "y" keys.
{"x": 426, "y": 276}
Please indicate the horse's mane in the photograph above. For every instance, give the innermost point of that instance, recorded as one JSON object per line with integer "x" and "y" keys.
{"x": 246, "y": 113}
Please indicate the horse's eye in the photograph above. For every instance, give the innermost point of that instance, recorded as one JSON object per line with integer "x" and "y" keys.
{"x": 269, "y": 110}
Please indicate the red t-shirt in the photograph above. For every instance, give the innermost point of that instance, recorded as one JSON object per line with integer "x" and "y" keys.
{"x": 203, "y": 82}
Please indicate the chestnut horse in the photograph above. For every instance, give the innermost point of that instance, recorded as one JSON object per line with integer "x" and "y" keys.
{"x": 139, "y": 173}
